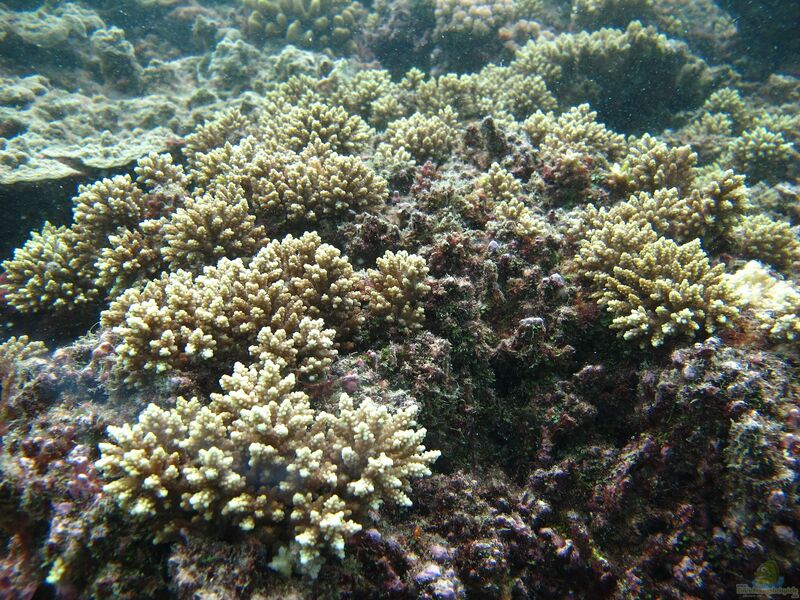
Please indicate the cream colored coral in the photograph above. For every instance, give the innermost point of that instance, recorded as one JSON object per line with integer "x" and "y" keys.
{"x": 729, "y": 102}
{"x": 59, "y": 268}
{"x": 762, "y": 154}
{"x": 213, "y": 318}
{"x": 317, "y": 24}
{"x": 707, "y": 211}
{"x": 130, "y": 255}
{"x": 309, "y": 349}
{"x": 459, "y": 93}
{"x": 391, "y": 162}
{"x": 425, "y": 137}
{"x": 498, "y": 184}
{"x": 53, "y": 271}
{"x": 103, "y": 206}
{"x": 319, "y": 471}
{"x": 396, "y": 289}
{"x": 500, "y": 89}
{"x": 215, "y": 225}
{"x": 514, "y": 215}
{"x": 602, "y": 246}
{"x": 668, "y": 212}
{"x": 774, "y": 302}
{"x": 16, "y": 354}
{"x": 225, "y": 127}
{"x": 334, "y": 126}
{"x": 576, "y": 131}
{"x": 722, "y": 198}
{"x": 159, "y": 171}
{"x": 717, "y": 124}
{"x": 372, "y": 95}
{"x": 774, "y": 242}
{"x": 221, "y": 165}
{"x": 653, "y": 288}
{"x": 651, "y": 165}
{"x": 473, "y": 18}
{"x": 317, "y": 184}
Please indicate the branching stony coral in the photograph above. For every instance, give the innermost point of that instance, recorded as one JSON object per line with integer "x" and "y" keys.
{"x": 158, "y": 171}
{"x": 652, "y": 287}
{"x": 179, "y": 319}
{"x": 665, "y": 210}
{"x": 301, "y": 189}
{"x": 228, "y": 126}
{"x": 709, "y": 210}
{"x": 334, "y": 126}
{"x": 650, "y": 165}
{"x": 458, "y": 93}
{"x": 762, "y": 154}
{"x": 466, "y": 30}
{"x": 774, "y": 242}
{"x": 492, "y": 91}
{"x": 774, "y": 302}
{"x": 52, "y": 271}
{"x": 130, "y": 255}
{"x": 729, "y": 102}
{"x": 667, "y": 290}
{"x": 500, "y": 89}
{"x": 290, "y": 191}
{"x": 706, "y": 132}
{"x": 393, "y": 163}
{"x": 472, "y": 18}
{"x": 15, "y": 352}
{"x": 722, "y": 198}
{"x": 372, "y": 95}
{"x": 498, "y": 184}
{"x": 215, "y": 225}
{"x": 602, "y": 245}
{"x": 126, "y": 230}
{"x": 499, "y": 190}
{"x": 100, "y": 208}
{"x": 318, "y": 472}
{"x": 58, "y": 268}
{"x": 425, "y": 137}
{"x": 396, "y": 289}
{"x": 576, "y": 131}
{"x": 310, "y": 23}
{"x": 514, "y": 216}
{"x": 221, "y": 165}
{"x": 784, "y": 121}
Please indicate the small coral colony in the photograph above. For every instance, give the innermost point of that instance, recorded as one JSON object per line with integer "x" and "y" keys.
{"x": 423, "y": 299}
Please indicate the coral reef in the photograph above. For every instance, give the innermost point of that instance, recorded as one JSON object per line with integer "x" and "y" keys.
{"x": 308, "y": 237}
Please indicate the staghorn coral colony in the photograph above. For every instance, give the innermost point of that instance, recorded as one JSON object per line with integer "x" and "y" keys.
{"x": 439, "y": 299}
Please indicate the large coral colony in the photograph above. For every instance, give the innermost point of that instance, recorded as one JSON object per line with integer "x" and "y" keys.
{"x": 550, "y": 241}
